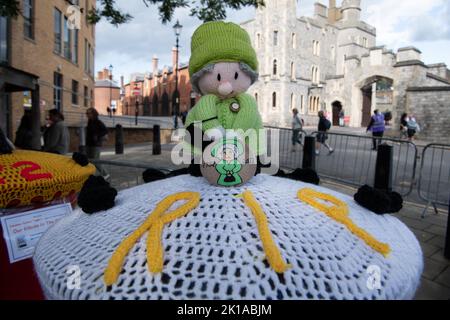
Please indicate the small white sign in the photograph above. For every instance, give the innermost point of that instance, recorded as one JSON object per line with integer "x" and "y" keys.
{"x": 22, "y": 231}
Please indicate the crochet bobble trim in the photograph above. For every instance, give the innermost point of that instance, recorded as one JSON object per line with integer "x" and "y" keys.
{"x": 154, "y": 225}
{"x": 339, "y": 213}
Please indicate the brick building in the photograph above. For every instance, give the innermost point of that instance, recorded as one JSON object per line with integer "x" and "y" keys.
{"x": 157, "y": 91}
{"x": 107, "y": 94}
{"x": 46, "y": 62}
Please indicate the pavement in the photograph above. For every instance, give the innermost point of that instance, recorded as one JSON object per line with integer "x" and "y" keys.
{"x": 430, "y": 231}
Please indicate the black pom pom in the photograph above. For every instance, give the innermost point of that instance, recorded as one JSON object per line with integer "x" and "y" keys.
{"x": 96, "y": 195}
{"x": 281, "y": 174}
{"x": 151, "y": 175}
{"x": 80, "y": 158}
{"x": 378, "y": 201}
{"x": 194, "y": 170}
{"x": 304, "y": 175}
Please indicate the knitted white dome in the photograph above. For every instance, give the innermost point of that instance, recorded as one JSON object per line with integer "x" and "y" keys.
{"x": 215, "y": 251}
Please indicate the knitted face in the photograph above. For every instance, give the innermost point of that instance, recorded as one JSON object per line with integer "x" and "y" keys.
{"x": 225, "y": 80}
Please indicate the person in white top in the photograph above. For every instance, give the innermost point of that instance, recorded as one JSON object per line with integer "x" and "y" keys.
{"x": 297, "y": 127}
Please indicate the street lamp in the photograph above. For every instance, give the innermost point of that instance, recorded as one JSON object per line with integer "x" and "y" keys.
{"x": 110, "y": 90}
{"x": 177, "y": 29}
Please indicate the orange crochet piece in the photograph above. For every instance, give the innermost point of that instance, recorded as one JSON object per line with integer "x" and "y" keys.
{"x": 31, "y": 177}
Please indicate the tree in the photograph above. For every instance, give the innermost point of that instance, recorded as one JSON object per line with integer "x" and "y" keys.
{"x": 205, "y": 10}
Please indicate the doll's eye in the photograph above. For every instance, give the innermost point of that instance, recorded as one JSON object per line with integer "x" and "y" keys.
{"x": 219, "y": 77}
{"x": 236, "y": 76}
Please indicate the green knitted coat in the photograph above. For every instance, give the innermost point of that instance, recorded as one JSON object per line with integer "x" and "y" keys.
{"x": 212, "y": 107}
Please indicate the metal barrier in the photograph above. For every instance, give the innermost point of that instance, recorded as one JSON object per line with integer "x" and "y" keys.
{"x": 434, "y": 179}
{"x": 289, "y": 158}
{"x": 353, "y": 161}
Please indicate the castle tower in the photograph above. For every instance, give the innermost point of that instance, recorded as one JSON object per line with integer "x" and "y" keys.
{"x": 351, "y": 10}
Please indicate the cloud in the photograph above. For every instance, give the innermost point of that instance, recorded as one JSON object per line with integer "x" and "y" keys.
{"x": 130, "y": 47}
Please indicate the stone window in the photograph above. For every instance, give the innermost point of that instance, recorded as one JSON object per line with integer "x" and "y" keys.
{"x": 67, "y": 40}
{"x": 4, "y": 54}
{"x": 294, "y": 41}
{"x": 86, "y": 97}
{"x": 258, "y": 41}
{"x": 75, "y": 46}
{"x": 292, "y": 101}
{"x": 57, "y": 31}
{"x": 75, "y": 87}
{"x": 315, "y": 75}
{"x": 274, "y": 100}
{"x": 365, "y": 42}
{"x": 256, "y": 97}
{"x": 58, "y": 90}
{"x": 275, "y": 67}
{"x": 302, "y": 104}
{"x": 275, "y": 38}
{"x": 316, "y": 48}
{"x": 293, "y": 77}
{"x": 28, "y": 16}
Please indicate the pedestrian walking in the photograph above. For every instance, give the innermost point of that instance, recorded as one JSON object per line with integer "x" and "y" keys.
{"x": 175, "y": 120}
{"x": 322, "y": 137}
{"x": 24, "y": 133}
{"x": 377, "y": 126}
{"x": 342, "y": 118}
{"x": 184, "y": 116}
{"x": 56, "y": 134}
{"x": 96, "y": 136}
{"x": 404, "y": 126}
{"x": 297, "y": 127}
{"x": 412, "y": 127}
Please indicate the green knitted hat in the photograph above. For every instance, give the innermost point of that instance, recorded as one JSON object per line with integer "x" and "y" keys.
{"x": 220, "y": 41}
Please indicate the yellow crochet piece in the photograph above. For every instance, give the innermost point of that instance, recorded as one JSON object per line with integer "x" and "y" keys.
{"x": 154, "y": 225}
{"x": 339, "y": 213}
{"x": 270, "y": 248}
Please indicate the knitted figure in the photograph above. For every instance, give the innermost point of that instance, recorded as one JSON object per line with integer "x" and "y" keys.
{"x": 222, "y": 67}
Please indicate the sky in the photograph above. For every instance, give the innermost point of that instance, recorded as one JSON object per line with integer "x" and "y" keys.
{"x": 130, "y": 47}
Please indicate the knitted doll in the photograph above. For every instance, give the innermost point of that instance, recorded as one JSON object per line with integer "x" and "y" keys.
{"x": 222, "y": 67}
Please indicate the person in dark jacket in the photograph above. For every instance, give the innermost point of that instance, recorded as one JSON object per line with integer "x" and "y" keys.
{"x": 377, "y": 125}
{"x": 322, "y": 137}
{"x": 404, "y": 126}
{"x": 96, "y": 135}
{"x": 56, "y": 135}
{"x": 24, "y": 133}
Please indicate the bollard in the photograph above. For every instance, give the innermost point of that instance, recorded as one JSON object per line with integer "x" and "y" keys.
{"x": 156, "y": 140}
{"x": 119, "y": 139}
{"x": 447, "y": 238}
{"x": 309, "y": 153}
{"x": 384, "y": 168}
